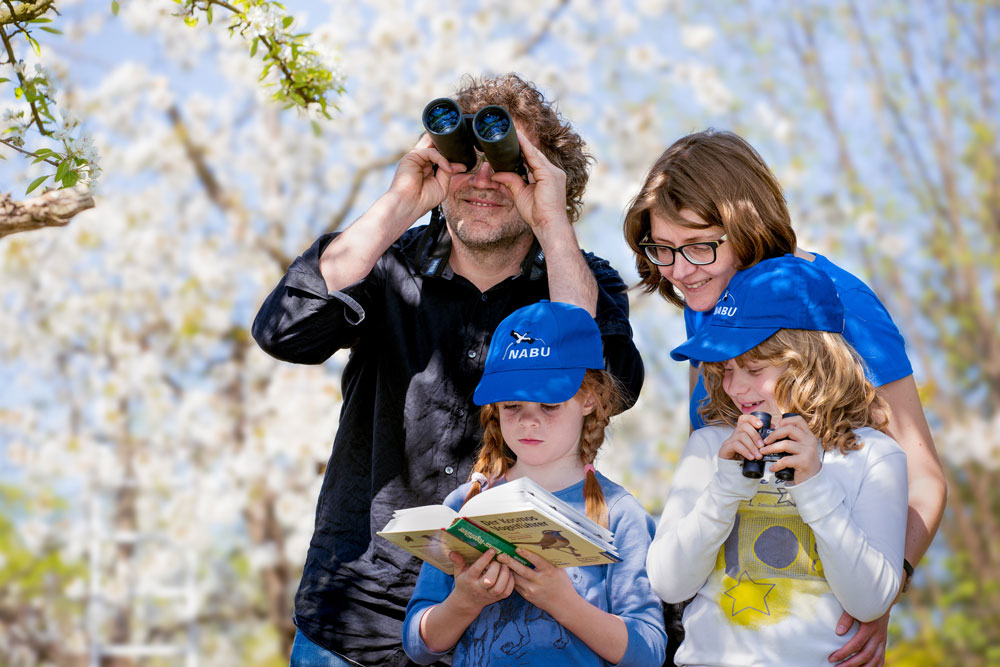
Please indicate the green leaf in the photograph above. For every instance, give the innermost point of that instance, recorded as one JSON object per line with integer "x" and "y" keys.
{"x": 3, "y": 80}
{"x": 70, "y": 179}
{"x": 35, "y": 183}
{"x": 208, "y": 13}
{"x": 253, "y": 46}
{"x": 63, "y": 169}
{"x": 18, "y": 92}
{"x": 114, "y": 7}
{"x": 34, "y": 45}
{"x": 52, "y": 30}
{"x": 287, "y": 21}
{"x": 191, "y": 21}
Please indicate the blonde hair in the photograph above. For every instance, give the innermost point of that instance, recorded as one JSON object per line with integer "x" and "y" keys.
{"x": 496, "y": 458}
{"x": 720, "y": 177}
{"x": 824, "y": 382}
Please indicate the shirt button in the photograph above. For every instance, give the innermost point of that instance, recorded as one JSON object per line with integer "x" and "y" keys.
{"x": 460, "y": 412}
{"x": 448, "y": 470}
{"x": 472, "y": 354}
{"x": 483, "y": 297}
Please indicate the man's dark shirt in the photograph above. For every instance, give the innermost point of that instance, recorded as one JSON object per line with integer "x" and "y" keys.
{"x": 408, "y": 427}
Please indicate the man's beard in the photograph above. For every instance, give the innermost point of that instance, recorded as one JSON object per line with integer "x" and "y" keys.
{"x": 489, "y": 240}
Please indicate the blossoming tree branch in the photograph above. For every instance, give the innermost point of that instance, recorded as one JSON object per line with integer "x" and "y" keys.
{"x": 35, "y": 127}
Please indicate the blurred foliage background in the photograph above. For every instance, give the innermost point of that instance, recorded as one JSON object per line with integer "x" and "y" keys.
{"x": 158, "y": 473}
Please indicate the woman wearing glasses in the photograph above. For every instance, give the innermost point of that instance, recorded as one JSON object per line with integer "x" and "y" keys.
{"x": 710, "y": 207}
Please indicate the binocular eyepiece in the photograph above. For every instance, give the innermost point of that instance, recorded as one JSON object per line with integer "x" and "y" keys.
{"x": 754, "y": 468}
{"x": 458, "y": 135}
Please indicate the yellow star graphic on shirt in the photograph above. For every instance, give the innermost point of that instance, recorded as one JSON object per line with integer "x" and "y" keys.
{"x": 748, "y": 594}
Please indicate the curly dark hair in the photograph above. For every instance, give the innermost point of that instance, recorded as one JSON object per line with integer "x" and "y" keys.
{"x": 556, "y": 138}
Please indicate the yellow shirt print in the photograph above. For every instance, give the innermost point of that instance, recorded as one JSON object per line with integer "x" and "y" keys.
{"x": 769, "y": 561}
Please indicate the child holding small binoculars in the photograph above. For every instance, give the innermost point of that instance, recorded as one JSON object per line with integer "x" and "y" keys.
{"x": 772, "y": 564}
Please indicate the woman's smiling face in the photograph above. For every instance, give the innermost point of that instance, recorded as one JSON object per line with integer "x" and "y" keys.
{"x": 701, "y": 285}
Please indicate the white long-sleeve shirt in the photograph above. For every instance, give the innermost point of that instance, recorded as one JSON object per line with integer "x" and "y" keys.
{"x": 772, "y": 566}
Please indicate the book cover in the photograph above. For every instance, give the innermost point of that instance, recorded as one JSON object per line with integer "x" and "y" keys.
{"x": 518, "y": 513}
{"x": 429, "y": 541}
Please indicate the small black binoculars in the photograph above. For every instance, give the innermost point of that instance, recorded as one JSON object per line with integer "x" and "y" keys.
{"x": 754, "y": 468}
{"x": 458, "y": 136}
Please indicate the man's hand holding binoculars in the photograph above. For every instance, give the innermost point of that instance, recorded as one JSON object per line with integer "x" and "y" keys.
{"x": 542, "y": 200}
{"x": 422, "y": 179}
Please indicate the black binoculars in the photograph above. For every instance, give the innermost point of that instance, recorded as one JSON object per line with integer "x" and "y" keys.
{"x": 754, "y": 468}
{"x": 458, "y": 135}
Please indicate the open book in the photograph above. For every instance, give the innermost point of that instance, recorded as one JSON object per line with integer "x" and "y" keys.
{"x": 516, "y": 514}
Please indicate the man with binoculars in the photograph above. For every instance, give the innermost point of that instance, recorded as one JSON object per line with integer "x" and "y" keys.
{"x": 417, "y": 308}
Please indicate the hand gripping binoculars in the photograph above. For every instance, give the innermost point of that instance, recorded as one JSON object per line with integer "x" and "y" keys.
{"x": 754, "y": 468}
{"x": 458, "y": 136}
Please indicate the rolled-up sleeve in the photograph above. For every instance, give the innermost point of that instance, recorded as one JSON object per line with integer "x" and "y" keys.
{"x": 301, "y": 322}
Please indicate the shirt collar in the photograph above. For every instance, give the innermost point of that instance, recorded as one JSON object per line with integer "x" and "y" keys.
{"x": 435, "y": 247}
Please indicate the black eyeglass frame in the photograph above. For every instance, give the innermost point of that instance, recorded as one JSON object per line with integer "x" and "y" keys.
{"x": 647, "y": 245}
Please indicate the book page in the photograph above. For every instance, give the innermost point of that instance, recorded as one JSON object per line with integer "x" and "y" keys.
{"x": 433, "y": 546}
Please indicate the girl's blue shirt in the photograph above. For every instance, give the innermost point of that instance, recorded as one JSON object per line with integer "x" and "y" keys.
{"x": 515, "y": 632}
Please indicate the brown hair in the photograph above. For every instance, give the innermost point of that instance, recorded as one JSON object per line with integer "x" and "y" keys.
{"x": 719, "y": 176}
{"x": 496, "y": 458}
{"x": 555, "y": 138}
{"x": 824, "y": 382}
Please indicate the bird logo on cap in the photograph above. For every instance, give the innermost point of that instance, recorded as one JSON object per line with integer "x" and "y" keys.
{"x": 726, "y": 305}
{"x": 521, "y": 338}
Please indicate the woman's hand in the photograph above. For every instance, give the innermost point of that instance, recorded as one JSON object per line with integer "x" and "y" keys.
{"x": 867, "y": 647}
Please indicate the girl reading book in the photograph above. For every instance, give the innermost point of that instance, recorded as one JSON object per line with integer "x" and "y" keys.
{"x": 773, "y": 564}
{"x": 546, "y": 403}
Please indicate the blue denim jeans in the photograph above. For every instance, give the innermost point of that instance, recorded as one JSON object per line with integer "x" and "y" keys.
{"x": 307, "y": 654}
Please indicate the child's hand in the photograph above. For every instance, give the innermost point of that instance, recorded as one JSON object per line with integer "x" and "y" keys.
{"x": 547, "y": 586}
{"x": 483, "y": 582}
{"x": 794, "y": 437}
{"x": 745, "y": 442}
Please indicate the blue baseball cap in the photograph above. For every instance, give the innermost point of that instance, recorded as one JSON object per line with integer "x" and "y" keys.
{"x": 540, "y": 354}
{"x": 778, "y": 293}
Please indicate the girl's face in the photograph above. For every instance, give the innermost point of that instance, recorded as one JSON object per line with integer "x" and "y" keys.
{"x": 542, "y": 434}
{"x": 751, "y": 387}
{"x": 700, "y": 285}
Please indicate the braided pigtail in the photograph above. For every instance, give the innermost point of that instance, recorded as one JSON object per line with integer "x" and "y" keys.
{"x": 606, "y": 393}
{"x": 597, "y": 507}
{"x": 495, "y": 458}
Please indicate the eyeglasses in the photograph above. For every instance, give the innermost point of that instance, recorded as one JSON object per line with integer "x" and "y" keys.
{"x": 697, "y": 253}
